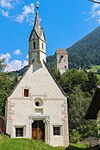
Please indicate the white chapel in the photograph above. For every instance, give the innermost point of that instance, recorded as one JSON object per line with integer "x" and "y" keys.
{"x": 37, "y": 106}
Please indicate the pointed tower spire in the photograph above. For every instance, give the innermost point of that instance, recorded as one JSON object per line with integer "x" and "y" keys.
{"x": 37, "y": 19}
{"x": 37, "y": 41}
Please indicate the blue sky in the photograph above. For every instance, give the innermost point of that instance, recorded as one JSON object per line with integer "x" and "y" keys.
{"x": 64, "y": 22}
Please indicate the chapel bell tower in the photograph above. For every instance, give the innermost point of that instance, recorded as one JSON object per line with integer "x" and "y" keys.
{"x": 37, "y": 41}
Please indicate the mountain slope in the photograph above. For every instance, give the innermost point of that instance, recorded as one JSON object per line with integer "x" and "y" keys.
{"x": 51, "y": 61}
{"x": 84, "y": 53}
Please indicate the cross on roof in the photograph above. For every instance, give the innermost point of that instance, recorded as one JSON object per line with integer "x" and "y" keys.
{"x": 37, "y": 4}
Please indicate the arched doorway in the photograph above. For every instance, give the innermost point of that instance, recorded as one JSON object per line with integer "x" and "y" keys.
{"x": 38, "y": 130}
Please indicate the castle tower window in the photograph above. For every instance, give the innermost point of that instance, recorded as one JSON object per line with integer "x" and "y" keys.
{"x": 34, "y": 45}
{"x": 26, "y": 92}
{"x": 62, "y": 56}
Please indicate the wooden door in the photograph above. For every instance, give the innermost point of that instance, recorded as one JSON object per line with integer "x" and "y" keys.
{"x": 38, "y": 130}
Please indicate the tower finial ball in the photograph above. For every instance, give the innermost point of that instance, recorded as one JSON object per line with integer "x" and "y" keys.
{"x": 37, "y": 4}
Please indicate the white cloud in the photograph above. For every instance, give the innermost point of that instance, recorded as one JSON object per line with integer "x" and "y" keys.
{"x": 24, "y": 14}
{"x": 25, "y": 63}
{"x": 7, "y": 56}
{"x": 27, "y": 14}
{"x": 17, "y": 52}
{"x": 28, "y": 9}
{"x": 95, "y": 12}
{"x": 16, "y": 65}
{"x": 5, "y": 13}
{"x": 13, "y": 65}
{"x": 20, "y": 18}
{"x": 8, "y": 4}
{"x": 27, "y": 57}
{"x": 5, "y": 3}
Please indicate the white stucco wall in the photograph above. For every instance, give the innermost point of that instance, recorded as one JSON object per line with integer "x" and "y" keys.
{"x": 19, "y": 109}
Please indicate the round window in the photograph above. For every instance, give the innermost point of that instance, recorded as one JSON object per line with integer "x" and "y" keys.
{"x": 38, "y": 102}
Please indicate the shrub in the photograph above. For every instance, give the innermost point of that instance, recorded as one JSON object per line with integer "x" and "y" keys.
{"x": 4, "y": 136}
{"x": 75, "y": 136}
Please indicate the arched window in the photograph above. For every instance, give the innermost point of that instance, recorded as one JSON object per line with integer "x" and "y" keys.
{"x": 34, "y": 45}
{"x": 26, "y": 92}
{"x": 65, "y": 67}
{"x": 42, "y": 46}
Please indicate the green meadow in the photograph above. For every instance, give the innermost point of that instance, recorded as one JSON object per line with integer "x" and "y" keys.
{"x": 29, "y": 144}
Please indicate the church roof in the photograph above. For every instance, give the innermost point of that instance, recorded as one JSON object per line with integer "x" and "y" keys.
{"x": 61, "y": 51}
{"x": 94, "y": 107}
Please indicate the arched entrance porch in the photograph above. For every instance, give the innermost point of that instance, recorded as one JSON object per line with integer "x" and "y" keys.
{"x": 43, "y": 124}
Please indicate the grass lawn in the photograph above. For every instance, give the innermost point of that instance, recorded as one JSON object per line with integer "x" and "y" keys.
{"x": 94, "y": 68}
{"x": 29, "y": 144}
{"x": 98, "y": 76}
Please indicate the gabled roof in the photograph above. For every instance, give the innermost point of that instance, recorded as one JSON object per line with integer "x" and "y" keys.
{"x": 49, "y": 72}
{"x": 94, "y": 107}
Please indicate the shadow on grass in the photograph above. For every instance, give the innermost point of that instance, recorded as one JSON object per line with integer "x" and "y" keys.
{"x": 77, "y": 148}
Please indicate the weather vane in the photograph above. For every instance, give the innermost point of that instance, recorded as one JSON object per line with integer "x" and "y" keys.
{"x": 37, "y": 4}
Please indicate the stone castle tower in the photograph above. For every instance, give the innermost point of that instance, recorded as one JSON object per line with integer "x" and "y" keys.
{"x": 62, "y": 60}
{"x": 37, "y": 42}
